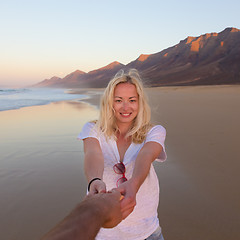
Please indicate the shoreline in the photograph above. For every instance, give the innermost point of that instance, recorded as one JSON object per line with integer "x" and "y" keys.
{"x": 11, "y": 99}
{"x": 93, "y": 95}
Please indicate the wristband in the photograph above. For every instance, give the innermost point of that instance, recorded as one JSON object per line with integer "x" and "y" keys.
{"x": 92, "y": 181}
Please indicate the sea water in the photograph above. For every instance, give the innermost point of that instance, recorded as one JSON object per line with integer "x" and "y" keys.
{"x": 26, "y": 97}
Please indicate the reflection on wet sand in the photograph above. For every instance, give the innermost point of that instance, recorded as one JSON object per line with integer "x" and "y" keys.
{"x": 41, "y": 166}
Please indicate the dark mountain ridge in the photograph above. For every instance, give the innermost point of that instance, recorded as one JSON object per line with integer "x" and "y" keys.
{"x": 210, "y": 59}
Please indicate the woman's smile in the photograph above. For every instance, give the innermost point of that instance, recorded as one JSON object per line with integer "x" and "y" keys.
{"x": 125, "y": 114}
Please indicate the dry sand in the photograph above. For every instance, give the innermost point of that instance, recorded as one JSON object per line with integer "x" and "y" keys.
{"x": 41, "y": 175}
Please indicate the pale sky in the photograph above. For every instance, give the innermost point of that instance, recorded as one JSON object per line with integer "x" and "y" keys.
{"x": 42, "y": 39}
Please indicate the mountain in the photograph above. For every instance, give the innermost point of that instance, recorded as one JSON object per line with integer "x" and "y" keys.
{"x": 48, "y": 82}
{"x": 101, "y": 76}
{"x": 70, "y": 79}
{"x": 96, "y": 78}
{"x": 212, "y": 58}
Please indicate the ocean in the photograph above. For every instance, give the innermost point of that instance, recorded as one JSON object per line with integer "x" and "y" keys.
{"x": 26, "y": 97}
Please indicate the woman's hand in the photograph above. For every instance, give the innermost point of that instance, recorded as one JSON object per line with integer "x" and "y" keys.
{"x": 97, "y": 186}
{"x": 129, "y": 191}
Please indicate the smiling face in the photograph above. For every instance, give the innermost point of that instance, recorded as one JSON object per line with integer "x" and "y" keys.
{"x": 125, "y": 103}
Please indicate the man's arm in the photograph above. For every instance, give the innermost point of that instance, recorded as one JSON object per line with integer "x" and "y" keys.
{"x": 84, "y": 222}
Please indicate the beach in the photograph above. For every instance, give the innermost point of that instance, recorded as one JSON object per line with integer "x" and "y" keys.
{"x": 41, "y": 162}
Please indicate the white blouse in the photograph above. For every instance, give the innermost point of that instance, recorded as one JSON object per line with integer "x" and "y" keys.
{"x": 143, "y": 221}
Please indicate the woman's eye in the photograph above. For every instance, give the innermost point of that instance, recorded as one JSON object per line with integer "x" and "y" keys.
{"x": 118, "y": 100}
{"x": 133, "y": 100}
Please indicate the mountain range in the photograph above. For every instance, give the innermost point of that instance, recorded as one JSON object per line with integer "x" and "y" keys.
{"x": 210, "y": 59}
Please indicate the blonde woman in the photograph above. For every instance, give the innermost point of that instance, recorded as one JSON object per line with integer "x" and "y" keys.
{"x": 119, "y": 150}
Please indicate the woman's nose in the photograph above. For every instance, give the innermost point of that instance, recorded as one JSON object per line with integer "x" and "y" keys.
{"x": 125, "y": 105}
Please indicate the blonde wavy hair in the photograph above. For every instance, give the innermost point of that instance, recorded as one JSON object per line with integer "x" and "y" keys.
{"x": 107, "y": 122}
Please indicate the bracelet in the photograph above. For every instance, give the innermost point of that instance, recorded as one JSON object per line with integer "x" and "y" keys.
{"x": 92, "y": 181}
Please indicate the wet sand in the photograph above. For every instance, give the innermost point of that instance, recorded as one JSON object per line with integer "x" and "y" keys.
{"x": 41, "y": 167}
{"x": 200, "y": 181}
{"x": 41, "y": 163}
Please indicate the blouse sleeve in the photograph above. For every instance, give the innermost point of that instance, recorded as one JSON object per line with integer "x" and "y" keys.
{"x": 88, "y": 130}
{"x": 158, "y": 134}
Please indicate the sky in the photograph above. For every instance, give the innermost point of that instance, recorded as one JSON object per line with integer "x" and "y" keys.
{"x": 42, "y": 39}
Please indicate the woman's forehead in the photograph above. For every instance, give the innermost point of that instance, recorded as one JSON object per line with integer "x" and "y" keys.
{"x": 125, "y": 89}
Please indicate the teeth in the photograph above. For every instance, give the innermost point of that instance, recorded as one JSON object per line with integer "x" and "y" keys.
{"x": 125, "y": 114}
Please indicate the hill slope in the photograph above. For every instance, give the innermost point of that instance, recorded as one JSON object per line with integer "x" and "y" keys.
{"x": 208, "y": 59}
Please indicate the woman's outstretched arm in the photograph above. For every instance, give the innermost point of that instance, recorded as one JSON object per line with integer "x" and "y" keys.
{"x": 149, "y": 152}
{"x": 94, "y": 165}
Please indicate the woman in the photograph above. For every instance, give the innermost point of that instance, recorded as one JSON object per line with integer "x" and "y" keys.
{"x": 119, "y": 150}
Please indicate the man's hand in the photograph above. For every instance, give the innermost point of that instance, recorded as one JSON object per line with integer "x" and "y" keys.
{"x": 108, "y": 207}
{"x": 113, "y": 213}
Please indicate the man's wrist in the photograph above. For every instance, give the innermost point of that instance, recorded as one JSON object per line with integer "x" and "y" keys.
{"x": 93, "y": 207}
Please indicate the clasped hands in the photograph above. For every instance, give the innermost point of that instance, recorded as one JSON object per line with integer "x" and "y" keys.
{"x": 126, "y": 195}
